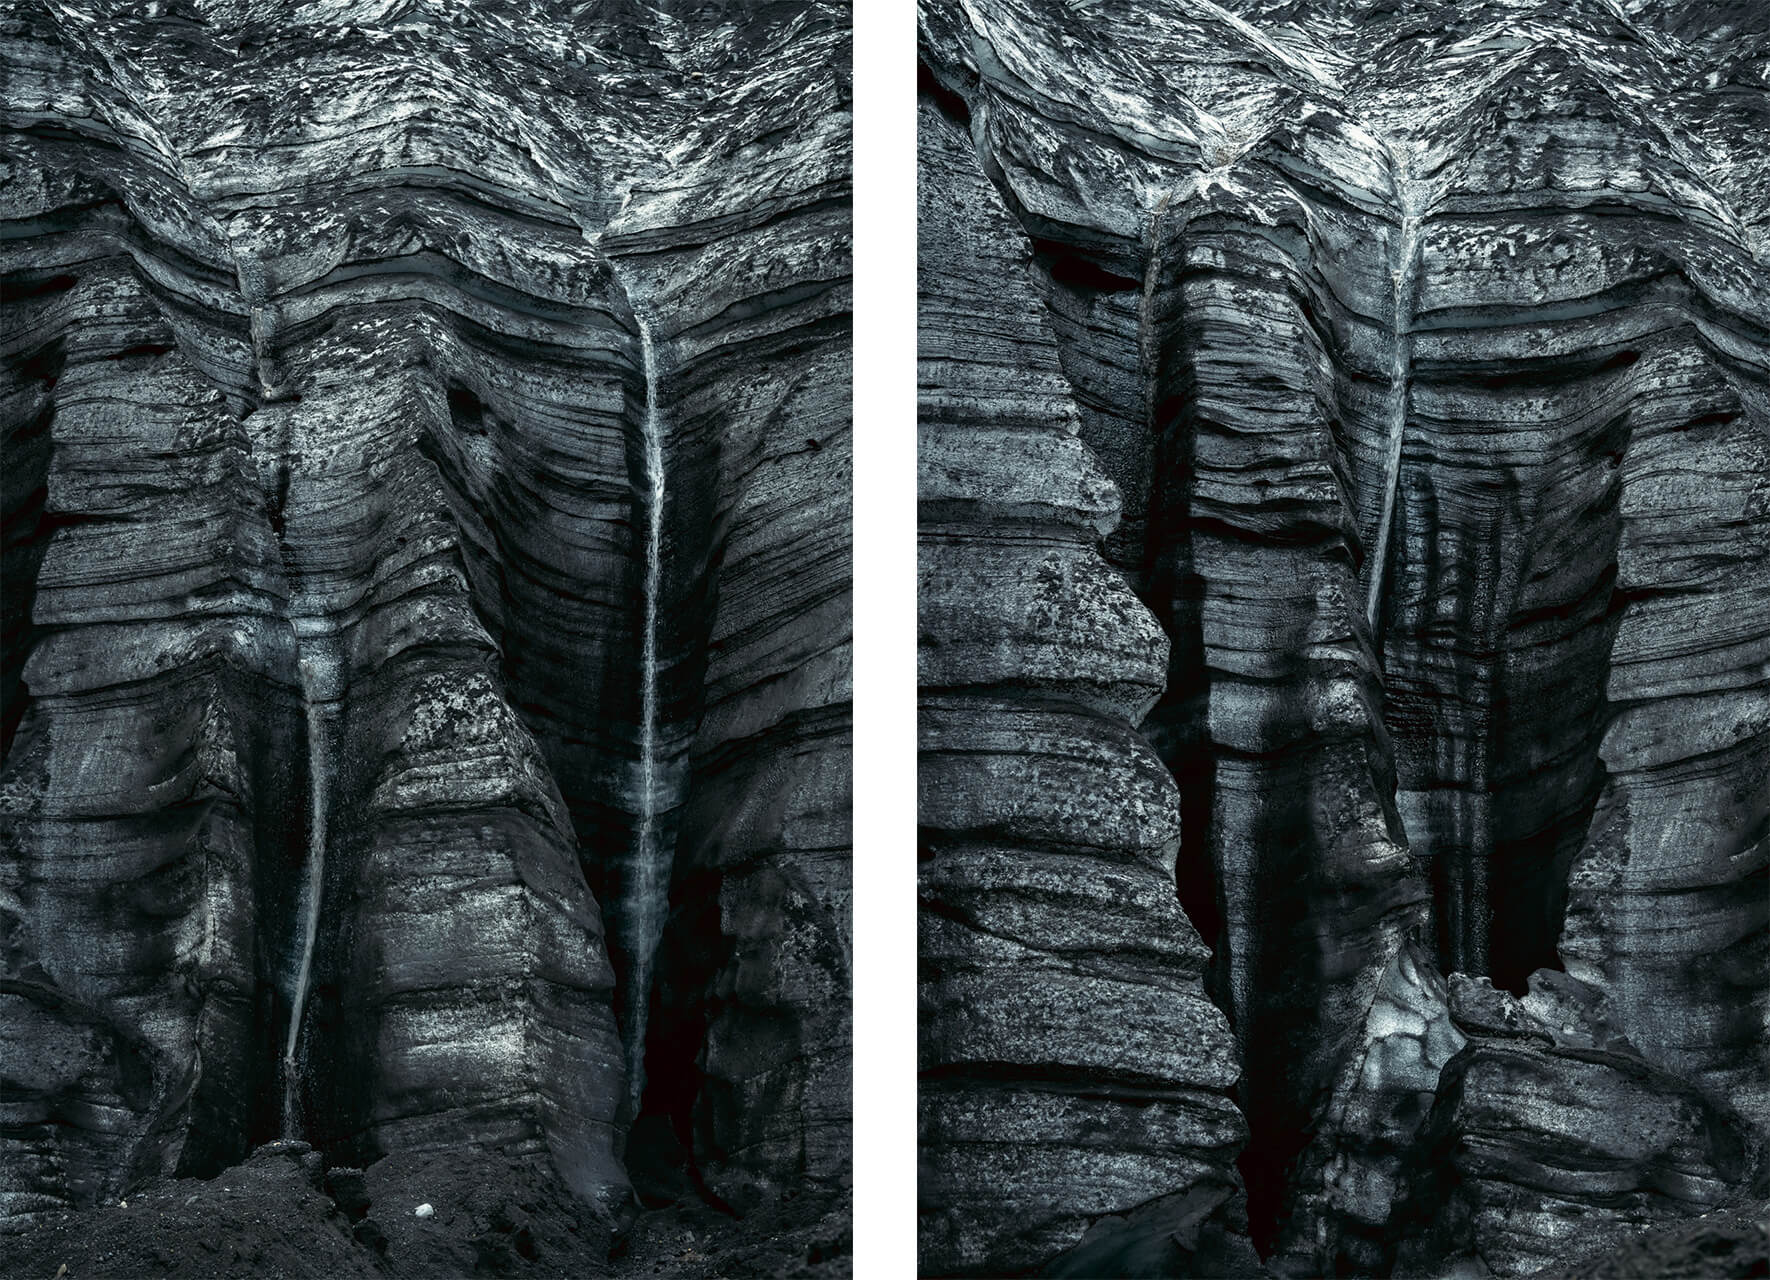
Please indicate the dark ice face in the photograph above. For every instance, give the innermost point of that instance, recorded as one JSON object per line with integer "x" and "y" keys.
{"x": 426, "y": 679}
{"x": 1342, "y": 552}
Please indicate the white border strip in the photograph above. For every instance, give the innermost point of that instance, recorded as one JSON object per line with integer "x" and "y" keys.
{"x": 885, "y": 641}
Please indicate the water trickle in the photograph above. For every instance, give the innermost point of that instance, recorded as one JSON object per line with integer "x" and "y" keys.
{"x": 648, "y": 888}
{"x": 318, "y": 671}
{"x": 1411, "y": 195}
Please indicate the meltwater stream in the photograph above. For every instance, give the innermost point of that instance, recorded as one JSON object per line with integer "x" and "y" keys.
{"x": 318, "y": 672}
{"x": 1407, "y": 257}
{"x": 646, "y": 891}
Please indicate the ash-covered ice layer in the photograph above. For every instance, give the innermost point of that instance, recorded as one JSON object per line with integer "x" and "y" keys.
{"x": 1346, "y": 517}
{"x": 427, "y": 629}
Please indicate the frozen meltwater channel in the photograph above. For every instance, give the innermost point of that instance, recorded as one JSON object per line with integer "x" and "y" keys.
{"x": 648, "y": 889}
{"x": 318, "y": 667}
{"x": 1411, "y": 195}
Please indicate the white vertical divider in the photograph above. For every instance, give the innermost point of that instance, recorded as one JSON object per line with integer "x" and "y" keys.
{"x": 885, "y": 640}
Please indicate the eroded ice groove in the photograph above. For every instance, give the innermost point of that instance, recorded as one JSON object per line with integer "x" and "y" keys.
{"x": 1411, "y": 196}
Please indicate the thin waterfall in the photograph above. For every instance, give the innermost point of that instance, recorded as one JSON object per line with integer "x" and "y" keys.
{"x": 1407, "y": 257}
{"x": 319, "y": 671}
{"x": 649, "y": 879}
{"x": 316, "y": 680}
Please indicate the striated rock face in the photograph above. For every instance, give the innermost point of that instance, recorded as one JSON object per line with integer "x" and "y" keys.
{"x": 1074, "y": 1078}
{"x": 1524, "y": 1159}
{"x": 426, "y": 608}
{"x": 1428, "y": 348}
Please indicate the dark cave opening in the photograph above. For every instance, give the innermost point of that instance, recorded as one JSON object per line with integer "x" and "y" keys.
{"x": 1498, "y": 796}
{"x": 1075, "y": 270}
{"x": 950, "y": 104}
{"x": 465, "y": 408}
{"x": 661, "y": 1146}
{"x": 25, "y": 529}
